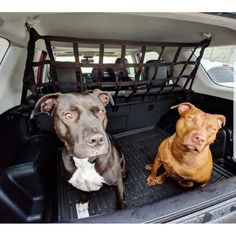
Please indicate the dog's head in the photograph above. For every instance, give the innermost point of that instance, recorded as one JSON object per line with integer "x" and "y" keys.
{"x": 79, "y": 120}
{"x": 195, "y": 128}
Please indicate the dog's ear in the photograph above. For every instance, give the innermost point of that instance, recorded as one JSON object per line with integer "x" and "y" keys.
{"x": 45, "y": 104}
{"x": 221, "y": 120}
{"x": 182, "y": 107}
{"x": 104, "y": 96}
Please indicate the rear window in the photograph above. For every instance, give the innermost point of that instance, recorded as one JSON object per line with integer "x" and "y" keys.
{"x": 4, "y": 44}
{"x": 95, "y": 59}
{"x": 219, "y": 64}
{"x": 150, "y": 56}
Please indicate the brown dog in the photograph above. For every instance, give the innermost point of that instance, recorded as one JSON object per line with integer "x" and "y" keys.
{"x": 90, "y": 157}
{"x": 186, "y": 155}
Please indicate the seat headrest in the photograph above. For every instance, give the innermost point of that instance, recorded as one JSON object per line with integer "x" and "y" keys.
{"x": 118, "y": 60}
{"x": 150, "y": 70}
{"x": 67, "y": 77}
{"x": 96, "y": 74}
{"x": 105, "y": 76}
{"x": 125, "y": 71}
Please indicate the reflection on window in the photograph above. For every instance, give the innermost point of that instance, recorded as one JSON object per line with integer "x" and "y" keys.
{"x": 219, "y": 64}
{"x": 4, "y": 44}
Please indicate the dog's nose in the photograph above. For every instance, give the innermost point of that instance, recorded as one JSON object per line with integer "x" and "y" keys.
{"x": 198, "y": 138}
{"x": 95, "y": 139}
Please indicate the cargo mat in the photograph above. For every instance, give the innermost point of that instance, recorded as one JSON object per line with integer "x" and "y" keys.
{"x": 139, "y": 148}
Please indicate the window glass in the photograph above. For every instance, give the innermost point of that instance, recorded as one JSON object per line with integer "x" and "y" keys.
{"x": 4, "y": 44}
{"x": 219, "y": 64}
{"x": 150, "y": 56}
{"x": 95, "y": 59}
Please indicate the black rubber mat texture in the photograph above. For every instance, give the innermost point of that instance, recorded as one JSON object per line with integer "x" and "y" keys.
{"x": 139, "y": 149}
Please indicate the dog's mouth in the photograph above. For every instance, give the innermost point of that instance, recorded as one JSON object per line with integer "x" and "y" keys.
{"x": 192, "y": 147}
{"x": 92, "y": 159}
{"x": 92, "y": 154}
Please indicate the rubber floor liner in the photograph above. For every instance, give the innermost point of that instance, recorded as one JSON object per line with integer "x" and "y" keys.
{"x": 139, "y": 148}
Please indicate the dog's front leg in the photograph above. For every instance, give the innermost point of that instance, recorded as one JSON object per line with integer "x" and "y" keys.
{"x": 152, "y": 178}
{"x": 119, "y": 192}
{"x": 69, "y": 164}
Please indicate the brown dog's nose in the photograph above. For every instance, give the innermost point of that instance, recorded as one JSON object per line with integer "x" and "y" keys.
{"x": 198, "y": 138}
{"x": 95, "y": 139}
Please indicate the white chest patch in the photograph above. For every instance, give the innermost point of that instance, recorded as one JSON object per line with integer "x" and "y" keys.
{"x": 86, "y": 178}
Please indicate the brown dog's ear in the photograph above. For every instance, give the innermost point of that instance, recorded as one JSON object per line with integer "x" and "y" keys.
{"x": 182, "y": 107}
{"x": 45, "y": 104}
{"x": 104, "y": 96}
{"x": 221, "y": 120}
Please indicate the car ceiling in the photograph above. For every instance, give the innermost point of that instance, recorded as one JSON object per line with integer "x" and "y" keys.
{"x": 172, "y": 27}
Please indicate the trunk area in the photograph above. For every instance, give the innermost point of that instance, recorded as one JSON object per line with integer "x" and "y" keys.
{"x": 139, "y": 148}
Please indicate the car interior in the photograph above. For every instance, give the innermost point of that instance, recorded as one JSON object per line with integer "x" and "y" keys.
{"x": 147, "y": 66}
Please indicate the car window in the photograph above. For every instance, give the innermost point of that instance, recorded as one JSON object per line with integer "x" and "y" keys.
{"x": 4, "y": 44}
{"x": 150, "y": 56}
{"x": 219, "y": 64}
{"x": 95, "y": 59}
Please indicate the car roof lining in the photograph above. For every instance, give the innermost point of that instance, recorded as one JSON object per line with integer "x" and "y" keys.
{"x": 175, "y": 27}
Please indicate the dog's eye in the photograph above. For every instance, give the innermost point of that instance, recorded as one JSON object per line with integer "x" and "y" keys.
{"x": 68, "y": 116}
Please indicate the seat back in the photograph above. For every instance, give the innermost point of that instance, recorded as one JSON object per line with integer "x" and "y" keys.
{"x": 149, "y": 71}
{"x": 121, "y": 72}
{"x": 67, "y": 77}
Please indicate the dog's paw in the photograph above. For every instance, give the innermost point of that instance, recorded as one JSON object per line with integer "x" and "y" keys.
{"x": 151, "y": 181}
{"x": 186, "y": 184}
{"x": 125, "y": 174}
{"x": 203, "y": 185}
{"x": 120, "y": 205}
{"x": 149, "y": 167}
